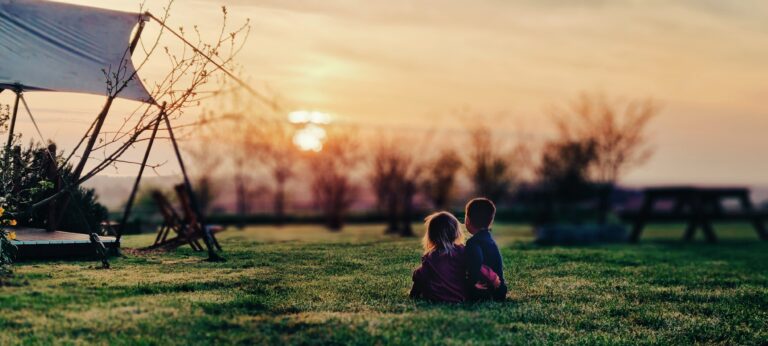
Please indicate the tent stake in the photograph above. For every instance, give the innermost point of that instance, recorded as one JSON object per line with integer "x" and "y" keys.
{"x": 132, "y": 197}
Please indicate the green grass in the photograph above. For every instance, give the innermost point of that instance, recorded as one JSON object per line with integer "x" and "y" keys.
{"x": 304, "y": 285}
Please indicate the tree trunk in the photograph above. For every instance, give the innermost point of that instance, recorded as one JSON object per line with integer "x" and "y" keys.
{"x": 334, "y": 216}
{"x": 204, "y": 195}
{"x": 242, "y": 204}
{"x": 392, "y": 220}
{"x": 334, "y": 222}
{"x": 409, "y": 190}
{"x": 280, "y": 203}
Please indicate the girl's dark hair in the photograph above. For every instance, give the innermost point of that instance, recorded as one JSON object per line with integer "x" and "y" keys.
{"x": 443, "y": 233}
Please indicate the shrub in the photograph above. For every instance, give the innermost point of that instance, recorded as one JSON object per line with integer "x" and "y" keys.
{"x": 34, "y": 173}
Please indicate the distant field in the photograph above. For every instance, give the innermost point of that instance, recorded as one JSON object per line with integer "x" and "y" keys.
{"x": 304, "y": 285}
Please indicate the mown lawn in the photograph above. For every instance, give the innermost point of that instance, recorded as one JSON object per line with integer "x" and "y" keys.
{"x": 304, "y": 285}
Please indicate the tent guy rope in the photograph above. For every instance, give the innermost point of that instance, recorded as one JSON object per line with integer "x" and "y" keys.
{"x": 242, "y": 83}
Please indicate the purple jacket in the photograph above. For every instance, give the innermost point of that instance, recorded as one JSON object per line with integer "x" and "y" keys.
{"x": 443, "y": 277}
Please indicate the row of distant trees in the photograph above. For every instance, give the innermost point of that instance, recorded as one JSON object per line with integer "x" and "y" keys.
{"x": 597, "y": 140}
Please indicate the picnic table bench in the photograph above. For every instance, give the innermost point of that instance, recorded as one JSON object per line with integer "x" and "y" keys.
{"x": 697, "y": 206}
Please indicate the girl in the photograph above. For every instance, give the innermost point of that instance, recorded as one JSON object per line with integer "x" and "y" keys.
{"x": 442, "y": 275}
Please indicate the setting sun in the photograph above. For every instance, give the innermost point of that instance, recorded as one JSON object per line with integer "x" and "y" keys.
{"x": 310, "y": 138}
{"x": 310, "y": 135}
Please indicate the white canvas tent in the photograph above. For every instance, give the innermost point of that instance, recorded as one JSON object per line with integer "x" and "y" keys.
{"x": 61, "y": 47}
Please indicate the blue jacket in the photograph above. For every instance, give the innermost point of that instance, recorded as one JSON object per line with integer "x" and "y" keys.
{"x": 482, "y": 250}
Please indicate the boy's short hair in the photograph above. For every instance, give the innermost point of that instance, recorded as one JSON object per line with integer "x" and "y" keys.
{"x": 480, "y": 212}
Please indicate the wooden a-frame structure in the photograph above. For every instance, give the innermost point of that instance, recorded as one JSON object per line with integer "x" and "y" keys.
{"x": 16, "y": 20}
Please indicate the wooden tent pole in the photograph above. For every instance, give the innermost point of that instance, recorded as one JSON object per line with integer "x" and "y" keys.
{"x": 13, "y": 119}
{"x": 135, "y": 41}
{"x": 92, "y": 139}
{"x": 103, "y": 115}
{"x": 78, "y": 171}
{"x": 210, "y": 243}
{"x": 132, "y": 197}
{"x": 84, "y": 159}
{"x": 7, "y": 153}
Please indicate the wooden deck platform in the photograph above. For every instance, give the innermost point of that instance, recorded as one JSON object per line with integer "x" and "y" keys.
{"x": 34, "y": 243}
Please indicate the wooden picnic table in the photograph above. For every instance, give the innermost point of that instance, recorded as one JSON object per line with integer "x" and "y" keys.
{"x": 697, "y": 206}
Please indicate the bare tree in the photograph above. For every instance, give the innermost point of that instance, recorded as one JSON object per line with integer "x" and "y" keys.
{"x": 272, "y": 141}
{"x": 242, "y": 197}
{"x": 491, "y": 164}
{"x": 617, "y": 129}
{"x": 440, "y": 177}
{"x": 331, "y": 175}
{"x": 189, "y": 70}
{"x": 565, "y": 166}
{"x": 207, "y": 160}
{"x": 258, "y": 138}
{"x": 395, "y": 177}
{"x": 385, "y": 178}
{"x": 410, "y": 188}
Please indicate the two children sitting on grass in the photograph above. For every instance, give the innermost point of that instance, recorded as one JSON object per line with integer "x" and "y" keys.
{"x": 452, "y": 272}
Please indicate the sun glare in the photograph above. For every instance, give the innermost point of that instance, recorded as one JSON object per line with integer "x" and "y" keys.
{"x": 311, "y": 135}
{"x": 310, "y": 138}
{"x": 309, "y": 117}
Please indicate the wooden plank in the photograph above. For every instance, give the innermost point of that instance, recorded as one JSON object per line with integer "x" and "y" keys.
{"x": 35, "y": 243}
{"x": 36, "y": 236}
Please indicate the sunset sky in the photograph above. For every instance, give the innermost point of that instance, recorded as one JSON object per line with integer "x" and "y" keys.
{"x": 409, "y": 65}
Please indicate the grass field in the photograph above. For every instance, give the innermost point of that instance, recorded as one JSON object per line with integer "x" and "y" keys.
{"x": 304, "y": 285}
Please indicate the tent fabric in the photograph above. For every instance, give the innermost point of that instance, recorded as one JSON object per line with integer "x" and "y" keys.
{"x": 61, "y": 47}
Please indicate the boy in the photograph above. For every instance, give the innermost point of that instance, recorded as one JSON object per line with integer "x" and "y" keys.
{"x": 482, "y": 250}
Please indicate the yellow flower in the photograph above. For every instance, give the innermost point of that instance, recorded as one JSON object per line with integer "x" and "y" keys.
{"x": 12, "y": 235}
{"x": 12, "y": 222}
{"x": 2, "y": 210}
